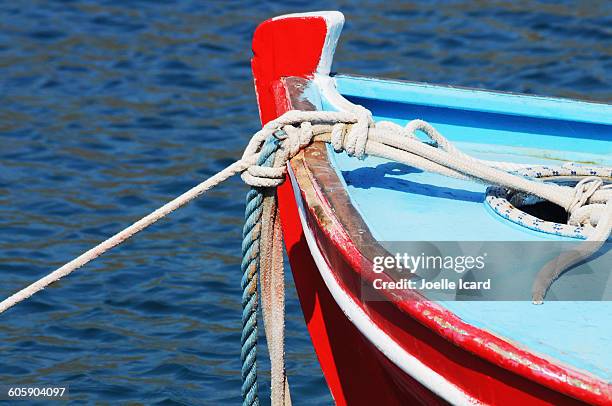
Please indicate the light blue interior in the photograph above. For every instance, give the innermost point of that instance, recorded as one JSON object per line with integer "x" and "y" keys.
{"x": 421, "y": 206}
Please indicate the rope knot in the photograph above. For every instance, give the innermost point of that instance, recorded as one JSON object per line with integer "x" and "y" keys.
{"x": 264, "y": 176}
{"x": 279, "y": 147}
{"x": 297, "y": 138}
{"x": 263, "y": 172}
{"x": 354, "y": 138}
{"x": 580, "y": 209}
{"x": 290, "y": 133}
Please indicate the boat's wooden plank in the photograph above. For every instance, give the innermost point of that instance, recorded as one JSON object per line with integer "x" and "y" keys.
{"x": 317, "y": 162}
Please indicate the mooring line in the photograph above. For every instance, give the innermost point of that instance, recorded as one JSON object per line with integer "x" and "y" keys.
{"x": 123, "y": 235}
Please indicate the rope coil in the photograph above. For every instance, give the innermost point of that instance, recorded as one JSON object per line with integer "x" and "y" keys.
{"x": 263, "y": 167}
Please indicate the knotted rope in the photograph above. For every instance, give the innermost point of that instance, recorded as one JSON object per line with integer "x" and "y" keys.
{"x": 263, "y": 167}
{"x": 262, "y": 254}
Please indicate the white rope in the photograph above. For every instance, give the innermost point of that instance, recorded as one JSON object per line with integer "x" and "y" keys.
{"x": 123, "y": 235}
{"x": 246, "y": 162}
{"x": 272, "y": 283}
{"x": 359, "y": 136}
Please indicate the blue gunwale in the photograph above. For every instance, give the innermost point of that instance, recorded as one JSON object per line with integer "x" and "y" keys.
{"x": 474, "y": 99}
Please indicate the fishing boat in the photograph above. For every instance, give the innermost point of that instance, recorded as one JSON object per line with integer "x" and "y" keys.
{"x": 337, "y": 211}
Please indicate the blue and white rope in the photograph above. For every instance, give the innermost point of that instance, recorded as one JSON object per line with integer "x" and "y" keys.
{"x": 251, "y": 234}
{"x": 501, "y": 199}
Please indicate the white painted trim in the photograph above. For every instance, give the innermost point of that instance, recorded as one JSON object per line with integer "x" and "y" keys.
{"x": 389, "y": 347}
{"x": 327, "y": 89}
{"x": 334, "y": 21}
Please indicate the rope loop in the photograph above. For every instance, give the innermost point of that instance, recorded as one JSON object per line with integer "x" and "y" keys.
{"x": 337, "y": 136}
{"x": 297, "y": 138}
{"x": 261, "y": 176}
{"x": 295, "y": 130}
{"x": 583, "y": 191}
{"x": 357, "y": 137}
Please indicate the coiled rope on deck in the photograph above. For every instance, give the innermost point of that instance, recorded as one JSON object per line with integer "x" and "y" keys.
{"x": 263, "y": 167}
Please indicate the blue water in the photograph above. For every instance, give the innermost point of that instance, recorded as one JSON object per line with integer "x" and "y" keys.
{"x": 108, "y": 109}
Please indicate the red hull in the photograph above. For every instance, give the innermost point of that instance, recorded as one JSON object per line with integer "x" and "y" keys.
{"x": 476, "y": 366}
